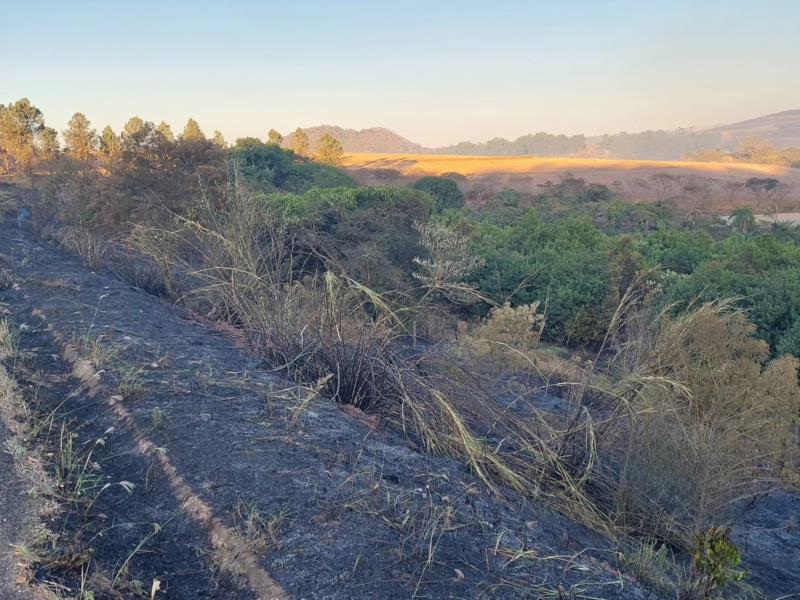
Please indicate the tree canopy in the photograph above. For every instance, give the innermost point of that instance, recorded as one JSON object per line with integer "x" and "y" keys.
{"x": 274, "y": 138}
{"x": 300, "y": 143}
{"x": 80, "y": 138}
{"x": 444, "y": 190}
{"x": 192, "y": 132}
{"x": 329, "y": 150}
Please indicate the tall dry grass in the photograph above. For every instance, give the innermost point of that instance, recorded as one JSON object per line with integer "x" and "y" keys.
{"x": 248, "y": 266}
{"x": 709, "y": 420}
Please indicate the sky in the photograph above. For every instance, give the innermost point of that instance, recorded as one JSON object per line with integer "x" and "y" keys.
{"x": 435, "y": 71}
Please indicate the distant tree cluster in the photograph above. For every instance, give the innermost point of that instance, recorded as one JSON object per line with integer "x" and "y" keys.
{"x": 659, "y": 145}
{"x": 751, "y": 150}
{"x": 540, "y": 144}
{"x": 656, "y": 145}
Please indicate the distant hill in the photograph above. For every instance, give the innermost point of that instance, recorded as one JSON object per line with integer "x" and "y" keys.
{"x": 373, "y": 139}
{"x": 781, "y": 130}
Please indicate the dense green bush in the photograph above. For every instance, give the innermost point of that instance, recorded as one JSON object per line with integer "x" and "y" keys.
{"x": 444, "y": 191}
{"x": 271, "y": 167}
{"x": 764, "y": 273}
{"x": 580, "y": 267}
{"x": 370, "y": 231}
{"x": 676, "y": 249}
{"x": 563, "y": 265}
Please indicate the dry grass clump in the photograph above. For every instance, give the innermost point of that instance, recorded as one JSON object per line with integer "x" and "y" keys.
{"x": 708, "y": 421}
{"x": 91, "y": 247}
{"x": 519, "y": 327}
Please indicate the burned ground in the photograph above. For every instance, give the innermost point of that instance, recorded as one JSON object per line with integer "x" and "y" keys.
{"x": 210, "y": 474}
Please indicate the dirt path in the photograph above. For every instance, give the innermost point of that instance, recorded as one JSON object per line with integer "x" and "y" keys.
{"x": 205, "y": 478}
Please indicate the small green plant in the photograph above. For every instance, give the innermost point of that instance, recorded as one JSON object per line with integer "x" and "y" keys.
{"x": 131, "y": 385}
{"x": 93, "y": 346}
{"x": 123, "y": 572}
{"x": 258, "y": 529}
{"x": 158, "y": 418}
{"x": 96, "y": 350}
{"x": 75, "y": 470}
{"x": 715, "y": 562}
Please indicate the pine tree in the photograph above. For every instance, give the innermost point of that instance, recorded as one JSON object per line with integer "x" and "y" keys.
{"x": 166, "y": 131}
{"x": 329, "y": 150}
{"x": 48, "y": 143}
{"x": 80, "y": 139}
{"x": 192, "y": 132}
{"x": 219, "y": 139}
{"x": 300, "y": 142}
{"x": 20, "y": 123}
{"x": 110, "y": 143}
{"x": 135, "y": 128}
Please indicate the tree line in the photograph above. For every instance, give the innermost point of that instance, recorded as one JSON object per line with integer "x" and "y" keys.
{"x": 26, "y": 140}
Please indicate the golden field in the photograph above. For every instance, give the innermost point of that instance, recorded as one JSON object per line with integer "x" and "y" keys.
{"x": 433, "y": 164}
{"x": 632, "y": 179}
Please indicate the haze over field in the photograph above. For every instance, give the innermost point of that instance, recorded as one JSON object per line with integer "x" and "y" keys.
{"x": 781, "y": 130}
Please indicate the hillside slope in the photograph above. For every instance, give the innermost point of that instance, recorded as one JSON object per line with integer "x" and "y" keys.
{"x": 217, "y": 480}
{"x": 781, "y": 130}
{"x": 373, "y": 139}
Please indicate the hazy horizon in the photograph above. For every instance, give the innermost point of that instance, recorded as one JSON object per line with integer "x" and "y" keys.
{"x": 436, "y": 75}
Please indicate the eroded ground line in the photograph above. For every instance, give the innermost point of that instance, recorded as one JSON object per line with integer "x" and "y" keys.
{"x": 224, "y": 541}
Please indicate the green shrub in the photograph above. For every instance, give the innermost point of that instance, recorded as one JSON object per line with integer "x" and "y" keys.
{"x": 269, "y": 167}
{"x": 565, "y": 266}
{"x": 715, "y": 562}
{"x": 444, "y": 191}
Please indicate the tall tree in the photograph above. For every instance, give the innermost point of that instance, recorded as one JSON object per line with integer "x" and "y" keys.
{"x": 80, "y": 138}
{"x": 48, "y": 143}
{"x": 110, "y": 144}
{"x": 166, "y": 131}
{"x": 300, "y": 142}
{"x": 192, "y": 132}
{"x": 329, "y": 150}
{"x": 762, "y": 188}
{"x": 219, "y": 139}
{"x": 20, "y": 124}
{"x": 137, "y": 135}
{"x": 135, "y": 127}
{"x": 274, "y": 138}
{"x": 743, "y": 220}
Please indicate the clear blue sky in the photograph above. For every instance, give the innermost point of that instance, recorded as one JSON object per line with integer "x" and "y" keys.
{"x": 436, "y": 71}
